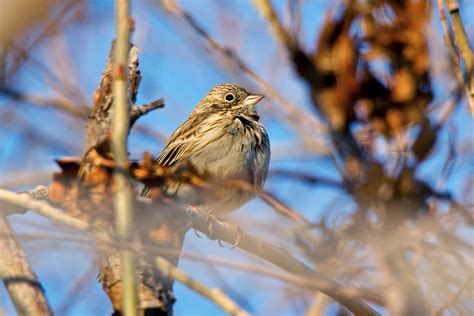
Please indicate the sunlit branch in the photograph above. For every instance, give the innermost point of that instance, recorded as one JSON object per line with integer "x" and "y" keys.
{"x": 294, "y": 116}
{"x": 462, "y": 42}
{"x": 215, "y": 295}
{"x": 214, "y": 229}
{"x": 123, "y": 207}
{"x": 22, "y": 285}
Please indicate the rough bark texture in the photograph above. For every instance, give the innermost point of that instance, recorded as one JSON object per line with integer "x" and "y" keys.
{"x": 100, "y": 119}
{"x": 22, "y": 284}
{"x": 154, "y": 291}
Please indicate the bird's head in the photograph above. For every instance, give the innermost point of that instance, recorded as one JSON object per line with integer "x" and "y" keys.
{"x": 229, "y": 97}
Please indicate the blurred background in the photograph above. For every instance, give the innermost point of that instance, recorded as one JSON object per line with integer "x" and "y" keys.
{"x": 52, "y": 57}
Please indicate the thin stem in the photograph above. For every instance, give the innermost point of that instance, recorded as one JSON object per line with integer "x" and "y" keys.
{"x": 215, "y": 295}
{"x": 266, "y": 10}
{"x": 225, "y": 231}
{"x": 122, "y": 196}
{"x": 464, "y": 47}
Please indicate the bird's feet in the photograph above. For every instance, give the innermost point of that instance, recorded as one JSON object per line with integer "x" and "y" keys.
{"x": 237, "y": 238}
{"x": 211, "y": 219}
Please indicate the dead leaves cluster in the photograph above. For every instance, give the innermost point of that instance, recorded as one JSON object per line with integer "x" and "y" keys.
{"x": 371, "y": 79}
{"x": 84, "y": 187}
{"x": 377, "y": 59}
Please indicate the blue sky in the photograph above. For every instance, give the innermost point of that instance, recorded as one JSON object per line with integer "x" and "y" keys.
{"x": 176, "y": 65}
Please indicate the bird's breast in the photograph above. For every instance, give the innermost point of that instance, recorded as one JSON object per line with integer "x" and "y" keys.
{"x": 237, "y": 153}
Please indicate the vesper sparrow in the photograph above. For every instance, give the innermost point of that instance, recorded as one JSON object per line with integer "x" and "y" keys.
{"x": 224, "y": 140}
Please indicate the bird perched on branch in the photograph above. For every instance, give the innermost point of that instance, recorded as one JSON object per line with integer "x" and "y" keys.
{"x": 222, "y": 139}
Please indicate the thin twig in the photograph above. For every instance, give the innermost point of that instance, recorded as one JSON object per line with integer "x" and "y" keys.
{"x": 38, "y": 193}
{"x": 138, "y": 111}
{"x": 61, "y": 104}
{"x": 122, "y": 196}
{"x": 306, "y": 177}
{"x": 42, "y": 208}
{"x": 214, "y": 229}
{"x": 308, "y": 283}
{"x": 215, "y": 295}
{"x": 294, "y": 116}
{"x": 464, "y": 46}
{"x": 455, "y": 296}
{"x": 78, "y": 288}
{"x": 266, "y": 10}
{"x": 233, "y": 235}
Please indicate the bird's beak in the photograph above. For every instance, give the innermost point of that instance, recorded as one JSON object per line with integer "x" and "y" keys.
{"x": 253, "y": 99}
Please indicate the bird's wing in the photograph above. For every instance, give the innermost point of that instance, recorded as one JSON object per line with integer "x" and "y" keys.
{"x": 193, "y": 135}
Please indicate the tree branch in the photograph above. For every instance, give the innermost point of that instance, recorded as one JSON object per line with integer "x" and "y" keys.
{"x": 215, "y": 295}
{"x": 465, "y": 48}
{"x": 21, "y": 283}
{"x": 123, "y": 208}
{"x": 232, "y": 234}
{"x": 138, "y": 111}
{"x": 214, "y": 229}
{"x": 294, "y": 115}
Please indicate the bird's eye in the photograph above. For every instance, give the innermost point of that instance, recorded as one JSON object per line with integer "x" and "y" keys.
{"x": 229, "y": 97}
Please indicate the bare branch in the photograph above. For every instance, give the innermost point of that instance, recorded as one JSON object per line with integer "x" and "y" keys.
{"x": 38, "y": 193}
{"x": 62, "y": 104}
{"x": 465, "y": 49}
{"x": 294, "y": 115}
{"x": 123, "y": 208}
{"x": 215, "y": 295}
{"x": 266, "y": 10}
{"x": 455, "y": 296}
{"x": 138, "y": 111}
{"x": 233, "y": 235}
{"x": 22, "y": 284}
{"x": 42, "y": 208}
{"x": 214, "y": 229}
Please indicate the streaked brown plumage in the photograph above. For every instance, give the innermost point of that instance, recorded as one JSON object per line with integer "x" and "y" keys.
{"x": 223, "y": 139}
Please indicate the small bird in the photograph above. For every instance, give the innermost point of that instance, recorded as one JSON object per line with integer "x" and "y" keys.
{"x": 222, "y": 139}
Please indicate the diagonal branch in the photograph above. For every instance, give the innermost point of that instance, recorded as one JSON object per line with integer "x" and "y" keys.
{"x": 462, "y": 42}
{"x": 215, "y": 295}
{"x": 233, "y": 235}
{"x": 294, "y": 115}
{"x": 214, "y": 229}
{"x": 20, "y": 281}
{"x": 138, "y": 111}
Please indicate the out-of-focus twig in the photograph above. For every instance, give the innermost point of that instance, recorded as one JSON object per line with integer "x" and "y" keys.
{"x": 26, "y": 178}
{"x": 460, "y": 35}
{"x": 38, "y": 193}
{"x": 77, "y": 289}
{"x": 24, "y": 201}
{"x": 57, "y": 22}
{"x": 286, "y": 277}
{"x": 214, "y": 229}
{"x": 271, "y": 200}
{"x": 462, "y": 42}
{"x": 123, "y": 208}
{"x": 318, "y": 306}
{"x": 215, "y": 295}
{"x": 292, "y": 113}
{"x": 455, "y": 296}
{"x": 266, "y": 10}
{"x": 57, "y": 103}
{"x": 232, "y": 234}
{"x": 306, "y": 177}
